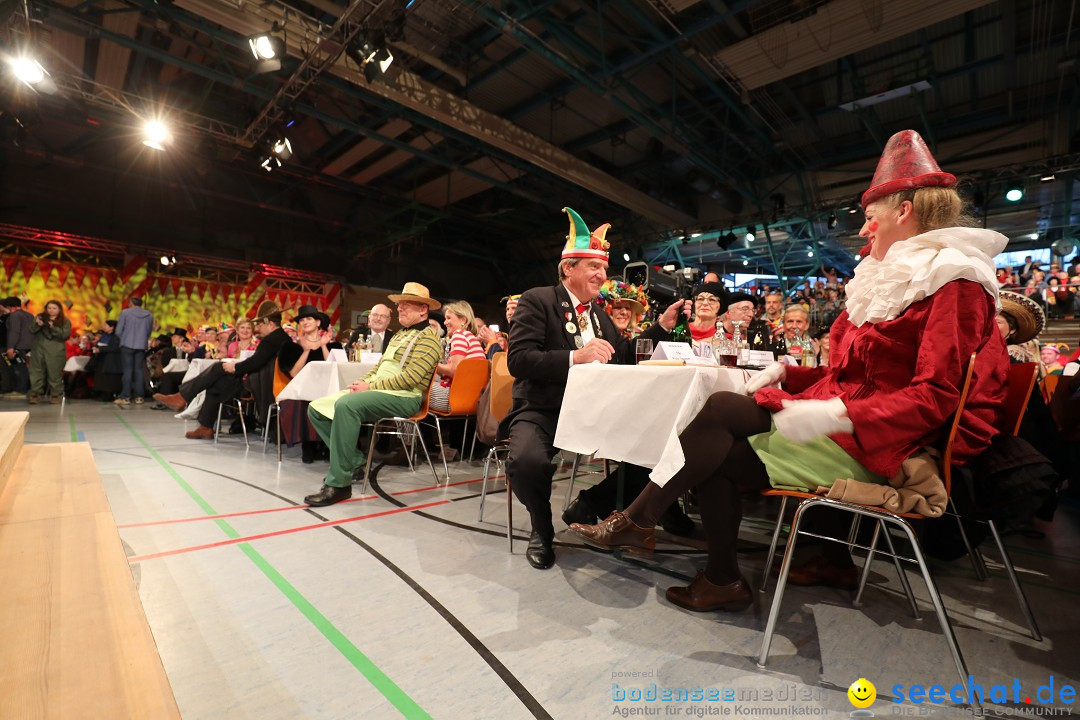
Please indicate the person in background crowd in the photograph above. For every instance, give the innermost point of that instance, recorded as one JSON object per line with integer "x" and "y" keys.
{"x": 379, "y": 336}
{"x": 463, "y": 344}
{"x": 774, "y": 313}
{"x": 796, "y": 322}
{"x": 394, "y": 388}
{"x": 1053, "y": 357}
{"x": 47, "y": 355}
{"x": 207, "y": 347}
{"x": 290, "y": 329}
{"x": 757, "y": 334}
{"x": 107, "y": 364}
{"x": 133, "y": 329}
{"x": 435, "y": 320}
{"x": 625, "y": 303}
{"x": 19, "y": 341}
{"x": 245, "y": 339}
{"x": 181, "y": 349}
{"x": 314, "y": 343}
{"x": 224, "y": 381}
{"x": 919, "y": 306}
{"x": 495, "y": 342}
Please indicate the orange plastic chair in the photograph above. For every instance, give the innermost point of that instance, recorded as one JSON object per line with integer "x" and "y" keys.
{"x": 1049, "y": 385}
{"x": 414, "y": 421}
{"x": 470, "y": 379}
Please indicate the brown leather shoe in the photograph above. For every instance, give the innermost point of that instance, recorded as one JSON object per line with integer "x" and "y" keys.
{"x": 618, "y": 532}
{"x": 176, "y": 402}
{"x": 819, "y": 571}
{"x": 201, "y": 433}
{"x": 703, "y": 596}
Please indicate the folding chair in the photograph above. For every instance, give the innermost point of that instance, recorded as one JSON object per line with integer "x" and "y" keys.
{"x": 240, "y": 402}
{"x": 414, "y": 422}
{"x": 882, "y": 517}
{"x": 470, "y": 379}
{"x": 501, "y": 400}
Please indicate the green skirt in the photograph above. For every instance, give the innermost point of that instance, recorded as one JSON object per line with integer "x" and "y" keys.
{"x": 807, "y": 466}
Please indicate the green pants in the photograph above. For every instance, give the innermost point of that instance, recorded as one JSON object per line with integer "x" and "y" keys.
{"x": 341, "y": 433}
{"x": 47, "y": 361}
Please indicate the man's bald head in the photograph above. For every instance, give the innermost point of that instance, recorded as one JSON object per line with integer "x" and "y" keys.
{"x": 378, "y": 318}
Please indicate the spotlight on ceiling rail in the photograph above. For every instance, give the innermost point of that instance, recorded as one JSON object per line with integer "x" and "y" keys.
{"x": 30, "y": 72}
{"x": 1014, "y": 193}
{"x": 268, "y": 49}
{"x": 832, "y": 220}
{"x": 156, "y": 135}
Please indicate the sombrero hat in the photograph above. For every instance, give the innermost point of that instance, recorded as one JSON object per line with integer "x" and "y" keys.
{"x": 1025, "y": 312}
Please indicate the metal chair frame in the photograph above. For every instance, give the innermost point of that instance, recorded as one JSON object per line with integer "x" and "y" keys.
{"x": 239, "y": 411}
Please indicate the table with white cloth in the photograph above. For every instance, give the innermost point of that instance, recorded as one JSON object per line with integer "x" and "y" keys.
{"x": 320, "y": 378}
{"x": 315, "y": 380}
{"x": 195, "y": 368}
{"x": 177, "y": 365}
{"x": 77, "y": 363}
{"x": 635, "y": 413}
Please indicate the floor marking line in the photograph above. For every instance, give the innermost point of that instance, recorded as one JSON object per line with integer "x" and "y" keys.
{"x": 243, "y": 513}
{"x": 275, "y": 533}
{"x": 71, "y": 423}
{"x": 371, "y": 672}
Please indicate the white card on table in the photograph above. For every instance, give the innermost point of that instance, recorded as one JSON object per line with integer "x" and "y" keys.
{"x": 370, "y": 357}
{"x": 672, "y": 351}
{"x": 338, "y": 355}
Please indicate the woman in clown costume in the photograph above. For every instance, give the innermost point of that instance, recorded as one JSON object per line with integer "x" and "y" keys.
{"x": 923, "y": 299}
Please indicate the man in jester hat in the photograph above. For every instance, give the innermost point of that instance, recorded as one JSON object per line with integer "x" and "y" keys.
{"x": 554, "y": 329}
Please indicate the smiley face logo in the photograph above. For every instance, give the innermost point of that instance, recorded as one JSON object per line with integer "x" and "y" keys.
{"x": 862, "y": 693}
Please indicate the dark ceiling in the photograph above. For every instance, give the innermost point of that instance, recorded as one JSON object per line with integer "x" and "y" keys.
{"x": 677, "y": 121}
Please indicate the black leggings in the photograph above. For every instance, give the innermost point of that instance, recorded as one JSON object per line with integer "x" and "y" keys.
{"x": 721, "y": 465}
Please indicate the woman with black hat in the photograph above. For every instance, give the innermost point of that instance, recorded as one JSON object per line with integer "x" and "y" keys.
{"x": 313, "y": 344}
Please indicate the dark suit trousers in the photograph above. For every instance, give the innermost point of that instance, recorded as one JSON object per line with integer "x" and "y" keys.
{"x": 529, "y": 469}
{"x": 220, "y": 387}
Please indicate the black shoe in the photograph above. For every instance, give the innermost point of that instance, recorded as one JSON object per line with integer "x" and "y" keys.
{"x": 358, "y": 475}
{"x": 307, "y": 454}
{"x": 676, "y": 522}
{"x": 328, "y": 496}
{"x": 580, "y": 512}
{"x": 540, "y": 553}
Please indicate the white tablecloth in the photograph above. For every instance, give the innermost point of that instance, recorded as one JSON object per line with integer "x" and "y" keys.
{"x": 77, "y": 363}
{"x": 635, "y": 413}
{"x": 177, "y": 365}
{"x": 320, "y": 378}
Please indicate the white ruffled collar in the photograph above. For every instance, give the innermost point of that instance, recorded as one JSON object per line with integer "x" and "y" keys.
{"x": 918, "y": 267}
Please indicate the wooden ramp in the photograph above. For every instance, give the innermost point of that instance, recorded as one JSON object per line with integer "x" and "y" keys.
{"x": 75, "y": 640}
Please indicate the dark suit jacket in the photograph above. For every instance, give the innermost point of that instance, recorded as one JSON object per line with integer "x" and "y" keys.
{"x": 387, "y": 337}
{"x": 539, "y": 355}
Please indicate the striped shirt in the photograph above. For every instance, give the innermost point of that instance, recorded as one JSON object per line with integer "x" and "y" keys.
{"x": 418, "y": 367}
{"x": 465, "y": 344}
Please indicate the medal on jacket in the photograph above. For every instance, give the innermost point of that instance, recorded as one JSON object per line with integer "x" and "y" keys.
{"x": 579, "y": 342}
{"x": 583, "y": 321}
{"x": 570, "y": 327}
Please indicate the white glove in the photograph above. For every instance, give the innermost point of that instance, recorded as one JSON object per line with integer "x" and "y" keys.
{"x": 804, "y": 420}
{"x": 772, "y": 375}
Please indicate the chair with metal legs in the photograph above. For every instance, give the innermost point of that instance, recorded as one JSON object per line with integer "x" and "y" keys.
{"x": 413, "y": 421}
{"x": 500, "y": 401}
{"x": 470, "y": 379}
{"x": 240, "y": 402}
{"x": 273, "y": 409}
{"x": 883, "y": 519}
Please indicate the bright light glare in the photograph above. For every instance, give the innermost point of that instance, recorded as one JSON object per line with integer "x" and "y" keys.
{"x": 1033, "y": 236}
{"x": 384, "y": 64}
{"x": 262, "y": 47}
{"x": 745, "y": 262}
{"x": 282, "y": 148}
{"x": 165, "y": 260}
{"x": 750, "y": 237}
{"x": 157, "y": 135}
{"x": 27, "y": 70}
{"x": 1014, "y": 194}
{"x": 626, "y": 257}
{"x": 810, "y": 254}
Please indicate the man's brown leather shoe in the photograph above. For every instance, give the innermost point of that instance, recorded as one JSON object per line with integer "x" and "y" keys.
{"x": 200, "y": 433}
{"x": 703, "y": 596}
{"x": 819, "y": 571}
{"x": 175, "y": 402}
{"x": 618, "y": 532}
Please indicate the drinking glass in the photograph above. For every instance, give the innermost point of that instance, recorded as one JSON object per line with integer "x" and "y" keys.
{"x": 643, "y": 348}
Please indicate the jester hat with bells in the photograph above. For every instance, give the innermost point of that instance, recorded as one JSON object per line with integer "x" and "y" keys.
{"x": 580, "y": 243}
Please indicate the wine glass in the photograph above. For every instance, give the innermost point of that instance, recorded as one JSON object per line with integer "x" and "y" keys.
{"x": 643, "y": 348}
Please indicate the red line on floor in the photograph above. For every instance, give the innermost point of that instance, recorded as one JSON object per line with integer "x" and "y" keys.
{"x": 295, "y": 507}
{"x": 236, "y": 514}
{"x": 261, "y": 536}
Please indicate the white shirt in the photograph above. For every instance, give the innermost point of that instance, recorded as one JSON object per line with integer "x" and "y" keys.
{"x": 587, "y": 334}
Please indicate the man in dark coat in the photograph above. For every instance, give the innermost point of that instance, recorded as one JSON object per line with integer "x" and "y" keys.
{"x": 554, "y": 328}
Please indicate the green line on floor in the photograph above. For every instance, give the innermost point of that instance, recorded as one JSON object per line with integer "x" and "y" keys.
{"x": 381, "y": 682}
{"x": 74, "y": 435}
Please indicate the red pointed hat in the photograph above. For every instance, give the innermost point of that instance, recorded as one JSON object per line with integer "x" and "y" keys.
{"x": 905, "y": 164}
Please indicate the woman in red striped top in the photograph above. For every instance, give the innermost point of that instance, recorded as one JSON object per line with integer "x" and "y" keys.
{"x": 462, "y": 343}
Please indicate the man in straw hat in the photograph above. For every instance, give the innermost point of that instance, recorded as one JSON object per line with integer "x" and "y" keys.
{"x": 395, "y": 387}
{"x": 224, "y": 381}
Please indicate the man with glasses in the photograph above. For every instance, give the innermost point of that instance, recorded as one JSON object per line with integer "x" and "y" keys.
{"x": 378, "y": 321}
{"x": 741, "y": 307}
{"x": 394, "y": 388}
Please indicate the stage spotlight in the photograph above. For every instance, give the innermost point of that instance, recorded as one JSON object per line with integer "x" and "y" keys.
{"x": 853, "y": 210}
{"x": 165, "y": 260}
{"x": 270, "y": 162}
{"x": 376, "y": 65}
{"x": 282, "y": 148}
{"x": 745, "y": 262}
{"x": 1033, "y": 236}
{"x": 858, "y": 257}
{"x": 832, "y": 220}
{"x": 157, "y": 135}
{"x": 809, "y": 253}
{"x": 1014, "y": 193}
{"x": 1048, "y": 178}
{"x": 268, "y": 49}
{"x": 626, "y": 257}
{"x": 750, "y": 233}
{"x": 725, "y": 240}
{"x": 30, "y": 72}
